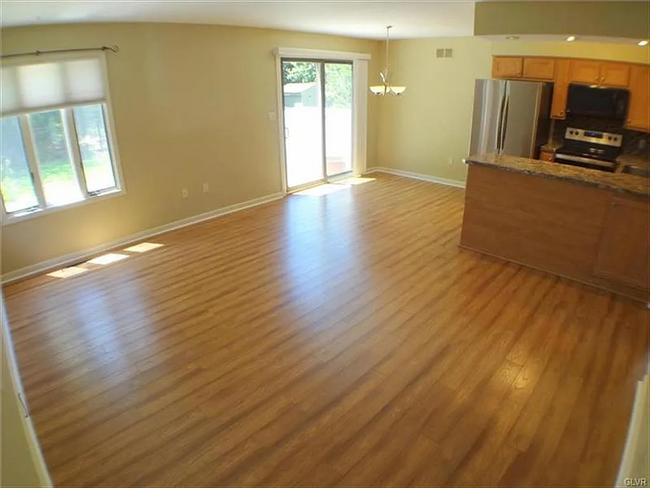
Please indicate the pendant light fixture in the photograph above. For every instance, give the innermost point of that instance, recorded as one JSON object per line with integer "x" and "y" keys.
{"x": 386, "y": 87}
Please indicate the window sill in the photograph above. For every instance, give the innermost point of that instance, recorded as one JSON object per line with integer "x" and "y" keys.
{"x": 28, "y": 215}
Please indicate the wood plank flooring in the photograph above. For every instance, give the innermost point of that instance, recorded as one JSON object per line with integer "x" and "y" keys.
{"x": 335, "y": 340}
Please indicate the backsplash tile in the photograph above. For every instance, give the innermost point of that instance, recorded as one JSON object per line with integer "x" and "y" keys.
{"x": 631, "y": 138}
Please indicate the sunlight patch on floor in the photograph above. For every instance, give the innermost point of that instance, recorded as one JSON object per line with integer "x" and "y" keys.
{"x": 143, "y": 247}
{"x": 321, "y": 190}
{"x": 357, "y": 180}
{"x": 327, "y": 188}
{"x": 67, "y": 272}
{"x": 107, "y": 258}
{"x": 103, "y": 260}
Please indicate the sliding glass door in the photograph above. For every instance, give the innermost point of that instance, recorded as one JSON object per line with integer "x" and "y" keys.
{"x": 338, "y": 118}
{"x": 317, "y": 106}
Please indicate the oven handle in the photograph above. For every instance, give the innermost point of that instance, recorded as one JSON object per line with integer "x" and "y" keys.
{"x": 578, "y": 159}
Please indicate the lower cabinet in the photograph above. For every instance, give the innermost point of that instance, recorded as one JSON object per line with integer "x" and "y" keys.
{"x": 563, "y": 227}
{"x": 547, "y": 156}
{"x": 624, "y": 250}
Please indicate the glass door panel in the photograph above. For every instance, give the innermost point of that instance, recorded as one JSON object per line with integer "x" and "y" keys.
{"x": 338, "y": 118}
{"x": 303, "y": 122}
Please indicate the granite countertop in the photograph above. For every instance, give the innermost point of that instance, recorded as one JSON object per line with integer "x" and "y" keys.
{"x": 620, "y": 182}
{"x": 625, "y": 159}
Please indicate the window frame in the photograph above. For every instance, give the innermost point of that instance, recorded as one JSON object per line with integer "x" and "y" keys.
{"x": 75, "y": 156}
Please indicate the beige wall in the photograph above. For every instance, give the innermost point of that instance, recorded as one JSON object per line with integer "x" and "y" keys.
{"x": 612, "y": 19}
{"x": 431, "y": 122}
{"x": 21, "y": 462}
{"x": 190, "y": 104}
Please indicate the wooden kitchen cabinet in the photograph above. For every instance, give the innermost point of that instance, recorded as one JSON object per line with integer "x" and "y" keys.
{"x": 507, "y": 67}
{"x": 638, "y": 116}
{"x": 558, "y": 225}
{"x": 624, "y": 251}
{"x": 615, "y": 74}
{"x": 635, "y": 77}
{"x": 547, "y": 156}
{"x": 539, "y": 69}
{"x": 602, "y": 73}
{"x": 561, "y": 89}
{"x": 584, "y": 71}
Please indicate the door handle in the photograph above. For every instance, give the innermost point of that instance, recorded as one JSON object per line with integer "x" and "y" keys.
{"x": 286, "y": 133}
{"x": 504, "y": 128}
{"x": 500, "y": 120}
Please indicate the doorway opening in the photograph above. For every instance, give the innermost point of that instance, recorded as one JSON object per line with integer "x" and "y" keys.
{"x": 317, "y": 104}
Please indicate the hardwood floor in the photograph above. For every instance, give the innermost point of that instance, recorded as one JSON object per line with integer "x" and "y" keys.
{"x": 342, "y": 339}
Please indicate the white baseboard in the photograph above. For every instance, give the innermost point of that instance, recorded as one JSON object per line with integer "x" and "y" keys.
{"x": 75, "y": 257}
{"x": 416, "y": 176}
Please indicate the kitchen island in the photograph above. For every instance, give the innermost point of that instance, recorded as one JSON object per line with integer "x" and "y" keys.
{"x": 588, "y": 225}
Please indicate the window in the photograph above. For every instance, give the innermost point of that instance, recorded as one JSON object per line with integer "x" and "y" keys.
{"x": 55, "y": 142}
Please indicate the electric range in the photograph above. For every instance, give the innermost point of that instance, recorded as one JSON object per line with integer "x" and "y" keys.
{"x": 590, "y": 149}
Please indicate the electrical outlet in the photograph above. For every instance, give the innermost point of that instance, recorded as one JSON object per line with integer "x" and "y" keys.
{"x": 643, "y": 143}
{"x": 185, "y": 193}
{"x": 450, "y": 161}
{"x": 272, "y": 116}
{"x": 206, "y": 187}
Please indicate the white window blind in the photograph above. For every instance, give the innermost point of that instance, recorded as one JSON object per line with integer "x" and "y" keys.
{"x": 40, "y": 83}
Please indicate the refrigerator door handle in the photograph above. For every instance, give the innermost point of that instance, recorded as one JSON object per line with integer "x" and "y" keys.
{"x": 500, "y": 120}
{"x": 504, "y": 127}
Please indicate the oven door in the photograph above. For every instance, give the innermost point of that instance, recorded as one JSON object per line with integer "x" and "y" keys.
{"x": 585, "y": 162}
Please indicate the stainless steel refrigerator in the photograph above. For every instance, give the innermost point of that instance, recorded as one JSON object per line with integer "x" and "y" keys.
{"x": 510, "y": 117}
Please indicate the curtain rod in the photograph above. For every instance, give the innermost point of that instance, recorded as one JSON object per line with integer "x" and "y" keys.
{"x": 38, "y": 53}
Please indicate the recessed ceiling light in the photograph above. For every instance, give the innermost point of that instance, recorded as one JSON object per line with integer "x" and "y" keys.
{"x": 571, "y": 38}
{"x": 512, "y": 38}
{"x": 643, "y": 43}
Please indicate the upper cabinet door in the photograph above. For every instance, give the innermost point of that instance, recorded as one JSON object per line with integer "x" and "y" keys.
{"x": 506, "y": 67}
{"x": 615, "y": 74}
{"x": 638, "y": 116}
{"x": 585, "y": 71}
{"x": 561, "y": 89}
{"x": 539, "y": 68}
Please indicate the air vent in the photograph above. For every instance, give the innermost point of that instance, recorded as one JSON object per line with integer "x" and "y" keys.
{"x": 444, "y": 53}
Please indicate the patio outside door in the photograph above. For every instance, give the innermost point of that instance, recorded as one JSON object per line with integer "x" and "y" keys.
{"x": 317, "y": 108}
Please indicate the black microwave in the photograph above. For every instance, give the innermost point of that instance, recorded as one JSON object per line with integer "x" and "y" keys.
{"x": 594, "y": 101}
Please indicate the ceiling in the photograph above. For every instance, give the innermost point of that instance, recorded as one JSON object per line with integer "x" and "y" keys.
{"x": 354, "y": 18}
{"x": 366, "y": 19}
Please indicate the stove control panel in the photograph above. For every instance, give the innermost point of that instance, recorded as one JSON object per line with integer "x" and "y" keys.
{"x": 593, "y": 137}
